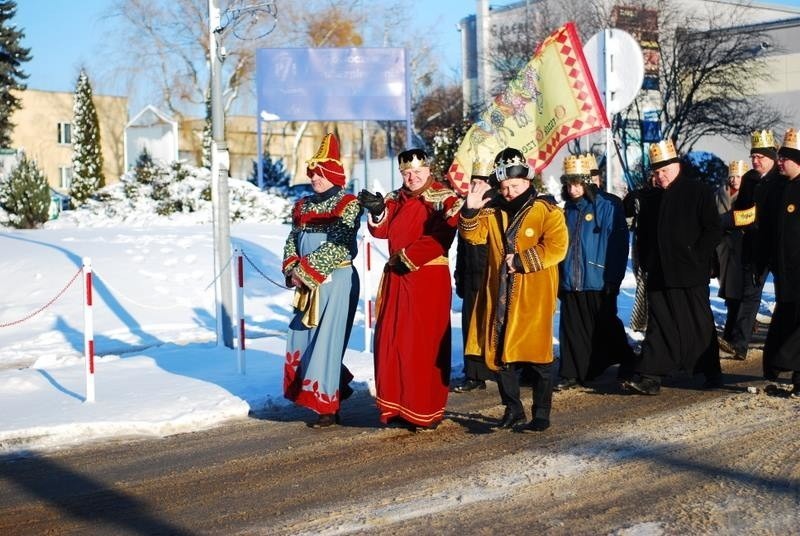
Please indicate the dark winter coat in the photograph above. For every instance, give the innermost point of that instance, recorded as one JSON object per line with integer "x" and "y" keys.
{"x": 755, "y": 191}
{"x": 729, "y": 250}
{"x": 677, "y": 232}
{"x": 598, "y": 245}
{"x": 785, "y": 259}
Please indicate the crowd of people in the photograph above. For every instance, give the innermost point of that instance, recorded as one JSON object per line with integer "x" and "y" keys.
{"x": 520, "y": 256}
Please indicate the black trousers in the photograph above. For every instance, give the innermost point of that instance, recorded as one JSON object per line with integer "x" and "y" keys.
{"x": 742, "y": 329}
{"x": 508, "y": 385}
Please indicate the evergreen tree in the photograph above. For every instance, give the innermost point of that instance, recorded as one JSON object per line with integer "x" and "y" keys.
{"x": 25, "y": 195}
{"x": 12, "y": 56}
{"x": 87, "y": 158}
{"x": 274, "y": 175}
{"x": 207, "y": 134}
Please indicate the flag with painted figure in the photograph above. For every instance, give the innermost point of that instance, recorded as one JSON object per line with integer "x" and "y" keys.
{"x": 552, "y": 100}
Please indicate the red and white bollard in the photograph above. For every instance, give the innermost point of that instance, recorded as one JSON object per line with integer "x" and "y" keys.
{"x": 240, "y": 309}
{"x": 88, "y": 329}
{"x": 367, "y": 266}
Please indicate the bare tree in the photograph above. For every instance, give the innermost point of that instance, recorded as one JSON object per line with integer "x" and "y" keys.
{"x": 704, "y": 64}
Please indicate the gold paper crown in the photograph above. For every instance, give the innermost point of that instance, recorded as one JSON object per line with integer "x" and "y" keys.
{"x": 790, "y": 140}
{"x": 578, "y": 164}
{"x": 737, "y": 168}
{"x": 482, "y": 168}
{"x": 662, "y": 151}
{"x": 762, "y": 139}
{"x": 591, "y": 161}
{"x": 414, "y": 163}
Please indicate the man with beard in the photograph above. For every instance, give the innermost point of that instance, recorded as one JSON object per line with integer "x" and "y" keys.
{"x": 512, "y": 324}
{"x": 677, "y": 232}
{"x": 749, "y": 207}
{"x": 591, "y": 336}
{"x": 782, "y": 348}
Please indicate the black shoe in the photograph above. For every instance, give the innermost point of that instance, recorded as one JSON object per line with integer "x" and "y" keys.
{"x": 510, "y": 420}
{"x": 726, "y": 346}
{"x": 565, "y": 383}
{"x": 345, "y": 392}
{"x": 537, "y": 424}
{"x": 470, "y": 385}
{"x": 795, "y": 391}
{"x": 713, "y": 382}
{"x": 325, "y": 420}
{"x": 644, "y": 386}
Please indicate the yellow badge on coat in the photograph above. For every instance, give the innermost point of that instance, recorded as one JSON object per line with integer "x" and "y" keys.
{"x": 589, "y": 217}
{"x": 791, "y": 208}
{"x": 529, "y": 232}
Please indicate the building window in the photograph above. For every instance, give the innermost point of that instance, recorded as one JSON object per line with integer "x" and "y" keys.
{"x": 65, "y": 133}
{"x": 65, "y": 177}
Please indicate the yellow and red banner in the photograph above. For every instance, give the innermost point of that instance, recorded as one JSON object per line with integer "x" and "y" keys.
{"x": 552, "y": 100}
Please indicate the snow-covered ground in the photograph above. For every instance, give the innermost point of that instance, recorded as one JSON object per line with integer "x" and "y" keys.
{"x": 159, "y": 369}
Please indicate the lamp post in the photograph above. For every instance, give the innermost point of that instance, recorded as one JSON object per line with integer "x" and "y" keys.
{"x": 220, "y": 165}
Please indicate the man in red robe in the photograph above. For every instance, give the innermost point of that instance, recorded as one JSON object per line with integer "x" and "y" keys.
{"x": 412, "y": 332}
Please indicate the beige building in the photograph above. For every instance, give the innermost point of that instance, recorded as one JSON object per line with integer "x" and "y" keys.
{"x": 43, "y": 129}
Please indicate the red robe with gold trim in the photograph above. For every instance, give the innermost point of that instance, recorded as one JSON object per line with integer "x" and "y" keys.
{"x": 412, "y": 333}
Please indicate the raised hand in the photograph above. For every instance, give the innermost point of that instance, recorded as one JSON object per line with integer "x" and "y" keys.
{"x": 476, "y": 197}
{"x": 372, "y": 202}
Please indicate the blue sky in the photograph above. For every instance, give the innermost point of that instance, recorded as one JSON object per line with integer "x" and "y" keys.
{"x": 65, "y": 34}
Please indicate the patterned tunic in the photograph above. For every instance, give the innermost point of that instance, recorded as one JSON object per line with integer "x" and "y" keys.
{"x": 319, "y": 251}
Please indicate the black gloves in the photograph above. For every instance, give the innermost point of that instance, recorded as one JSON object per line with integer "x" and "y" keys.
{"x": 372, "y": 202}
{"x": 397, "y": 265}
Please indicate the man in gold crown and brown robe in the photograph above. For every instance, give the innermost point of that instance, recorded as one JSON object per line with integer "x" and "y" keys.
{"x": 782, "y": 348}
{"x": 755, "y": 198}
{"x": 678, "y": 230}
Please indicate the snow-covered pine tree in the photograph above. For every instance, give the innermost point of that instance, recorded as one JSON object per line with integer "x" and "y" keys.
{"x": 12, "y": 56}
{"x": 25, "y": 195}
{"x": 87, "y": 158}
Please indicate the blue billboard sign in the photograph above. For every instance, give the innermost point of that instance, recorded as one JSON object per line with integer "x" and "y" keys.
{"x": 331, "y": 84}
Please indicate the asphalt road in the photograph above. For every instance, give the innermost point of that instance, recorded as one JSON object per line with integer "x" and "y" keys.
{"x": 687, "y": 461}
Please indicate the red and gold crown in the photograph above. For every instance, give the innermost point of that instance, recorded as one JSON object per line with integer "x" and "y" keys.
{"x": 662, "y": 151}
{"x": 737, "y": 168}
{"x": 790, "y": 140}
{"x": 762, "y": 139}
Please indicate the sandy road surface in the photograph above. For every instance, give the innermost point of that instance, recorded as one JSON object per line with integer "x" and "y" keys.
{"x": 685, "y": 462}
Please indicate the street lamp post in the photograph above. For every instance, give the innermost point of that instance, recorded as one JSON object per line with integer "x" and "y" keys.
{"x": 220, "y": 164}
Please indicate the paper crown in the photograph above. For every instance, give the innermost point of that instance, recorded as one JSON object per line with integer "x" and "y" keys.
{"x": 762, "y": 139}
{"x": 412, "y": 159}
{"x": 326, "y": 161}
{"x": 737, "y": 168}
{"x": 591, "y": 161}
{"x": 579, "y": 164}
{"x": 482, "y": 168}
{"x": 663, "y": 153}
{"x": 790, "y": 140}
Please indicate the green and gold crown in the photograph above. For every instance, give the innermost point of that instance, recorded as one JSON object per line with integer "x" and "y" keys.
{"x": 737, "y": 168}
{"x": 482, "y": 167}
{"x": 762, "y": 139}
{"x": 790, "y": 140}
